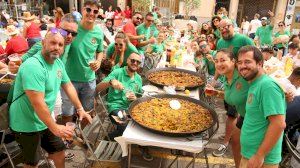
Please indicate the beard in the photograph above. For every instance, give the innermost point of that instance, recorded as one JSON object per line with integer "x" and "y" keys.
{"x": 130, "y": 69}
{"x": 251, "y": 76}
{"x": 227, "y": 36}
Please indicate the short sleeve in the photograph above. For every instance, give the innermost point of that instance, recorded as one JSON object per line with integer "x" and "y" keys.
{"x": 65, "y": 78}
{"x": 110, "y": 50}
{"x": 112, "y": 75}
{"x": 37, "y": 47}
{"x": 257, "y": 32}
{"x": 33, "y": 77}
{"x": 273, "y": 100}
{"x": 248, "y": 41}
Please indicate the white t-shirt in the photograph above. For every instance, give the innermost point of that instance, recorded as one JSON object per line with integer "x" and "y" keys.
{"x": 255, "y": 23}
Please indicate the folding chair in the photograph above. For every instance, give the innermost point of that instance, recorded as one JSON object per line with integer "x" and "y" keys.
{"x": 11, "y": 154}
{"x": 106, "y": 151}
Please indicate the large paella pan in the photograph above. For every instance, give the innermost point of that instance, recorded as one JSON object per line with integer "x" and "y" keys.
{"x": 180, "y": 78}
{"x": 155, "y": 114}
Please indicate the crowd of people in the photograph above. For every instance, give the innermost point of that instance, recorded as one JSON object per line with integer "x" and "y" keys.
{"x": 255, "y": 71}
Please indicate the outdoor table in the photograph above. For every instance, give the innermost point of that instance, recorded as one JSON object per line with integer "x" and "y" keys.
{"x": 135, "y": 134}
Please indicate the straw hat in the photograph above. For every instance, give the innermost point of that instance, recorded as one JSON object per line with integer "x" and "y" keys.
{"x": 11, "y": 30}
{"x": 27, "y": 16}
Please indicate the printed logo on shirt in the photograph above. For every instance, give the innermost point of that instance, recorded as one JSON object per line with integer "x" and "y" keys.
{"x": 59, "y": 74}
{"x": 94, "y": 40}
{"x": 238, "y": 86}
{"x": 250, "y": 98}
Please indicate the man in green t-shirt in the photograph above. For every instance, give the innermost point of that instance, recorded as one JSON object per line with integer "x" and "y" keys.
{"x": 264, "y": 123}
{"x": 209, "y": 56}
{"x": 68, "y": 23}
{"x": 144, "y": 29}
{"x": 84, "y": 58}
{"x": 263, "y": 34}
{"x": 36, "y": 87}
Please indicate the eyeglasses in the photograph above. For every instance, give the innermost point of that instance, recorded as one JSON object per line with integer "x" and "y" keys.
{"x": 225, "y": 27}
{"x": 135, "y": 61}
{"x": 74, "y": 34}
{"x": 89, "y": 10}
{"x": 54, "y": 30}
{"x": 119, "y": 44}
{"x": 203, "y": 46}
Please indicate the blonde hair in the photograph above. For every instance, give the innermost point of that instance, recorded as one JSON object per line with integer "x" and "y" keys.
{"x": 123, "y": 36}
{"x": 60, "y": 12}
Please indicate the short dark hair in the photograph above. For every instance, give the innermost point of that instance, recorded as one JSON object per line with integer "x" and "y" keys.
{"x": 257, "y": 54}
{"x": 293, "y": 46}
{"x": 268, "y": 50}
{"x": 91, "y": 3}
{"x": 228, "y": 52}
{"x": 135, "y": 13}
{"x": 149, "y": 14}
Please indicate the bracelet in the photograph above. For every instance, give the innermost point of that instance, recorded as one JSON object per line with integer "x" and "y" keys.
{"x": 79, "y": 109}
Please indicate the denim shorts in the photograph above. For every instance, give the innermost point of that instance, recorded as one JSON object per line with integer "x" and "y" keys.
{"x": 86, "y": 94}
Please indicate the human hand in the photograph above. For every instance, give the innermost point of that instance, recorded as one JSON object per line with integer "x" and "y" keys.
{"x": 131, "y": 96}
{"x": 255, "y": 161}
{"x": 62, "y": 131}
{"x": 95, "y": 65}
{"x": 84, "y": 115}
{"x": 117, "y": 85}
{"x": 210, "y": 58}
{"x": 271, "y": 14}
{"x": 13, "y": 67}
{"x": 152, "y": 40}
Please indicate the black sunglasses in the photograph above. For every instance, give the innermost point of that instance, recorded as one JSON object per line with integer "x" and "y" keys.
{"x": 138, "y": 18}
{"x": 280, "y": 25}
{"x": 89, "y": 10}
{"x": 135, "y": 61}
{"x": 74, "y": 34}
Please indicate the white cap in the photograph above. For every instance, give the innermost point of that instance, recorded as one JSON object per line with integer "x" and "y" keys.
{"x": 264, "y": 18}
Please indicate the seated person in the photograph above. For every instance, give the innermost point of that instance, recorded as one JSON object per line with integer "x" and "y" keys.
{"x": 123, "y": 85}
{"x": 119, "y": 51}
{"x": 158, "y": 46}
{"x": 16, "y": 44}
{"x": 292, "y": 111}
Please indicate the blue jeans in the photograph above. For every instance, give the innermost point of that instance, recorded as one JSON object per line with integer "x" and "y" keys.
{"x": 85, "y": 92}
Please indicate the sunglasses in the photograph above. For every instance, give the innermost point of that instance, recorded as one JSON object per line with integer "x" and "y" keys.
{"x": 138, "y": 18}
{"x": 89, "y": 10}
{"x": 150, "y": 20}
{"x": 119, "y": 44}
{"x": 54, "y": 30}
{"x": 280, "y": 25}
{"x": 74, "y": 34}
{"x": 203, "y": 46}
{"x": 135, "y": 61}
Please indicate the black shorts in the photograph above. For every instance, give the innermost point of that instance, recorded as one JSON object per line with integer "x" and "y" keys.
{"x": 230, "y": 110}
{"x": 30, "y": 145}
{"x": 239, "y": 122}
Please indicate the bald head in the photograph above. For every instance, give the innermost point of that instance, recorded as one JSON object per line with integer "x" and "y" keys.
{"x": 53, "y": 46}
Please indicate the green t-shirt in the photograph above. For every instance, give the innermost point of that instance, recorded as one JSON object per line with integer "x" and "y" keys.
{"x": 142, "y": 29}
{"x": 84, "y": 49}
{"x": 37, "y": 75}
{"x": 235, "y": 43}
{"x": 116, "y": 99}
{"x": 217, "y": 34}
{"x": 129, "y": 50}
{"x": 158, "y": 48}
{"x": 264, "y": 33}
{"x": 37, "y": 47}
{"x": 210, "y": 65}
{"x": 236, "y": 93}
{"x": 265, "y": 98}
{"x": 279, "y": 45}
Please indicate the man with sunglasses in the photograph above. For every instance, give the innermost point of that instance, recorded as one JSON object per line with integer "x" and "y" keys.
{"x": 263, "y": 34}
{"x": 144, "y": 29}
{"x": 36, "y": 88}
{"x": 69, "y": 25}
{"x": 124, "y": 84}
{"x": 84, "y": 59}
{"x": 130, "y": 28}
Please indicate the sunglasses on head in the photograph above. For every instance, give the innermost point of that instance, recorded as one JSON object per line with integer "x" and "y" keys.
{"x": 119, "y": 44}
{"x": 54, "y": 30}
{"x": 135, "y": 61}
{"x": 74, "y": 34}
{"x": 89, "y": 10}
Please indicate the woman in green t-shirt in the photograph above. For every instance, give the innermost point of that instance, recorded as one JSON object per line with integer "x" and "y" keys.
{"x": 214, "y": 24}
{"x": 158, "y": 46}
{"x": 235, "y": 95}
{"x": 282, "y": 38}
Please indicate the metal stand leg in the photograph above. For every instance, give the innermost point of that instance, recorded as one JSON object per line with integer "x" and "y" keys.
{"x": 206, "y": 159}
{"x": 129, "y": 156}
{"x": 8, "y": 155}
{"x": 173, "y": 162}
